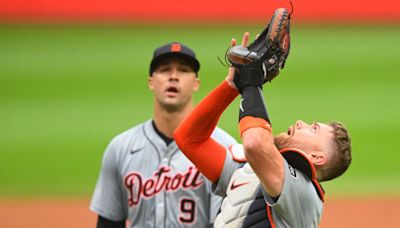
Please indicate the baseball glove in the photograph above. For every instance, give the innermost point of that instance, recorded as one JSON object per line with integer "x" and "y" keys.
{"x": 271, "y": 46}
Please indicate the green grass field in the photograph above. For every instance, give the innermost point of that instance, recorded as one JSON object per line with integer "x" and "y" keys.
{"x": 65, "y": 91}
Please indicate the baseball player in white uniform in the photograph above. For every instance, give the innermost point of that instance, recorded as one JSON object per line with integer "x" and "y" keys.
{"x": 145, "y": 179}
{"x": 269, "y": 181}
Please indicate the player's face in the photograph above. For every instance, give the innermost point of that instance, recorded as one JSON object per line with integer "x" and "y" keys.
{"x": 173, "y": 83}
{"x": 314, "y": 139}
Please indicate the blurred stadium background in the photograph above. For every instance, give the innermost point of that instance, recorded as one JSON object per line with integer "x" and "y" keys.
{"x": 73, "y": 74}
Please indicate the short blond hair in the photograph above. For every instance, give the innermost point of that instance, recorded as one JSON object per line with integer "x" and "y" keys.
{"x": 342, "y": 157}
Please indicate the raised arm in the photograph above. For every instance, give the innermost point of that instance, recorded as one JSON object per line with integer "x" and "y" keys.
{"x": 270, "y": 51}
{"x": 256, "y": 131}
{"x": 262, "y": 155}
{"x": 193, "y": 135}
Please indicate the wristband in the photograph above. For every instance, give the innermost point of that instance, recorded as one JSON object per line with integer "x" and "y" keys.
{"x": 251, "y": 122}
{"x": 252, "y": 104}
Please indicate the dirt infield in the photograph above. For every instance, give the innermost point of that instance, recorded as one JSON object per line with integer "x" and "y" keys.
{"x": 73, "y": 213}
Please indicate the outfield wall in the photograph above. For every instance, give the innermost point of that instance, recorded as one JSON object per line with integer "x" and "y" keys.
{"x": 195, "y": 11}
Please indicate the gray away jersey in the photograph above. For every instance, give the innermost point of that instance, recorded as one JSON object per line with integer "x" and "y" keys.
{"x": 154, "y": 185}
{"x": 244, "y": 205}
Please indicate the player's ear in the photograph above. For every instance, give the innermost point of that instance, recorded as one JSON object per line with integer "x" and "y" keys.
{"x": 318, "y": 158}
{"x": 196, "y": 84}
{"x": 150, "y": 83}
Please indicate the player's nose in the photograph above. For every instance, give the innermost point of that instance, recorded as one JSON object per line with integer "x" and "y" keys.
{"x": 299, "y": 124}
{"x": 174, "y": 74}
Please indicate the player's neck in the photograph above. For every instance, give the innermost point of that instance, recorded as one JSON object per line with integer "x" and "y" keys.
{"x": 167, "y": 121}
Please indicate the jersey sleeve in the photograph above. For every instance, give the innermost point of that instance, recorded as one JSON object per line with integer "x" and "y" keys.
{"x": 298, "y": 204}
{"x": 223, "y": 138}
{"x": 230, "y": 166}
{"x": 107, "y": 200}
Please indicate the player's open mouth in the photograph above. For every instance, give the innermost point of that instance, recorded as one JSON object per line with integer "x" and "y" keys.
{"x": 290, "y": 131}
{"x": 172, "y": 89}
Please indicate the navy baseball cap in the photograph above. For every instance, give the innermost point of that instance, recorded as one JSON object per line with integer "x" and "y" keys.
{"x": 174, "y": 49}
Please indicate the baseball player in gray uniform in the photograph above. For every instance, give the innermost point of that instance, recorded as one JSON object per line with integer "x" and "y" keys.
{"x": 268, "y": 181}
{"x": 145, "y": 179}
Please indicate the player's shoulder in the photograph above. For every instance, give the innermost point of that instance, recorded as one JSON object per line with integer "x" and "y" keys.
{"x": 223, "y": 137}
{"x": 132, "y": 137}
{"x": 135, "y": 130}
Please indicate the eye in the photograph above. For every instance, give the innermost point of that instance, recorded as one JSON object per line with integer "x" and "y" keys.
{"x": 185, "y": 69}
{"x": 162, "y": 69}
{"x": 314, "y": 129}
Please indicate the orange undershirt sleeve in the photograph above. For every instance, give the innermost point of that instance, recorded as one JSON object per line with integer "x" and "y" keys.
{"x": 193, "y": 136}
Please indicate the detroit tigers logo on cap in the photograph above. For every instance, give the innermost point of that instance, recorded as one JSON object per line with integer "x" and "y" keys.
{"x": 175, "y": 47}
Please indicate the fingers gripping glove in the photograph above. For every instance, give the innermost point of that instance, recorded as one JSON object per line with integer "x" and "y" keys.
{"x": 252, "y": 74}
{"x": 271, "y": 47}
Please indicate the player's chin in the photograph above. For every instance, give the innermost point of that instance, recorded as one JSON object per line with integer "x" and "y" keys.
{"x": 281, "y": 135}
{"x": 171, "y": 94}
{"x": 281, "y": 140}
{"x": 171, "y": 104}
{"x": 171, "y": 100}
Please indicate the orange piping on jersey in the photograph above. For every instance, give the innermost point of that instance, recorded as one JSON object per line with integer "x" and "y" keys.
{"x": 311, "y": 167}
{"x": 321, "y": 192}
{"x": 251, "y": 122}
{"x": 304, "y": 155}
{"x": 271, "y": 220}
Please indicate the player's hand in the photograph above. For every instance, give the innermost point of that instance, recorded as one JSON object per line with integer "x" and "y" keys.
{"x": 231, "y": 71}
{"x": 250, "y": 74}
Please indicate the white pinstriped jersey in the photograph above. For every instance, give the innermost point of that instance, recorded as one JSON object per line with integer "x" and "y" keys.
{"x": 154, "y": 185}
